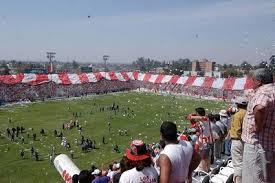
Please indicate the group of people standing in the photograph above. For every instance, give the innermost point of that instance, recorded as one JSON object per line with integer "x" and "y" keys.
{"x": 248, "y": 135}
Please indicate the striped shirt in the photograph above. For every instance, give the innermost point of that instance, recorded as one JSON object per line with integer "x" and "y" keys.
{"x": 264, "y": 96}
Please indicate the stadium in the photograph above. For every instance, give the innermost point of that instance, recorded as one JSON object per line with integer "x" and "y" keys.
{"x": 123, "y": 91}
{"x": 143, "y": 101}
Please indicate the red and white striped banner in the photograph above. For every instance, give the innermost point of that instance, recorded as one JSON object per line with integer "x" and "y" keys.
{"x": 66, "y": 79}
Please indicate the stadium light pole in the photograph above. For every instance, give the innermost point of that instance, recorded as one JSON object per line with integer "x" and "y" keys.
{"x": 51, "y": 56}
{"x": 105, "y": 58}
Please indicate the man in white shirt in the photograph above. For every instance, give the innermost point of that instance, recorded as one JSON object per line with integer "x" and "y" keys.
{"x": 175, "y": 160}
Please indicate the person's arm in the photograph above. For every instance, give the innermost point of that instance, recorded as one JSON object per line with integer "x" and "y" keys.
{"x": 165, "y": 168}
{"x": 259, "y": 110}
{"x": 259, "y": 115}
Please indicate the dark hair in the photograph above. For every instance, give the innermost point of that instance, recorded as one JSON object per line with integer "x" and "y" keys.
{"x": 139, "y": 165}
{"x": 200, "y": 111}
{"x": 217, "y": 117}
{"x": 169, "y": 130}
{"x": 75, "y": 178}
{"x": 122, "y": 165}
{"x": 211, "y": 117}
{"x": 241, "y": 106}
{"x": 111, "y": 167}
{"x": 162, "y": 144}
{"x": 85, "y": 177}
{"x": 263, "y": 75}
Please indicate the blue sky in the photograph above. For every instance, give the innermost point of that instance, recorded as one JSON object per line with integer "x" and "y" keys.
{"x": 227, "y": 31}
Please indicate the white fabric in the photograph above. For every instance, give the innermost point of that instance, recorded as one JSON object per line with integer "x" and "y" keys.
{"x": 91, "y": 77}
{"x": 166, "y": 79}
{"x": 218, "y": 83}
{"x": 153, "y": 78}
{"x": 180, "y": 156}
{"x": 140, "y": 76}
{"x": 111, "y": 174}
{"x": 239, "y": 84}
{"x": 105, "y": 75}
{"x": 198, "y": 81}
{"x": 74, "y": 78}
{"x": 148, "y": 175}
{"x": 119, "y": 76}
{"x": 182, "y": 80}
{"x": 130, "y": 75}
{"x": 29, "y": 78}
{"x": 54, "y": 78}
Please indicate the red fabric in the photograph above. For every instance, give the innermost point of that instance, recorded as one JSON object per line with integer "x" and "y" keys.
{"x": 64, "y": 79}
{"x": 113, "y": 76}
{"x": 249, "y": 84}
{"x": 228, "y": 83}
{"x": 98, "y": 76}
{"x": 174, "y": 79}
{"x": 135, "y": 74}
{"x": 40, "y": 78}
{"x": 159, "y": 78}
{"x": 183, "y": 138}
{"x": 147, "y": 77}
{"x": 83, "y": 78}
{"x": 125, "y": 76}
{"x": 208, "y": 81}
{"x": 190, "y": 81}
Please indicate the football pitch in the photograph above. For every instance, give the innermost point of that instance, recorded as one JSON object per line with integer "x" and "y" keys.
{"x": 140, "y": 114}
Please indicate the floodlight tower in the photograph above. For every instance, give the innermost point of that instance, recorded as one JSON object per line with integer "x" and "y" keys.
{"x": 51, "y": 56}
{"x": 105, "y": 58}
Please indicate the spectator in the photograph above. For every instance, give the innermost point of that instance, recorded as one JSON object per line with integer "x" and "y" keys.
{"x": 258, "y": 131}
{"x": 217, "y": 134}
{"x": 227, "y": 141}
{"x": 85, "y": 177}
{"x": 114, "y": 169}
{"x": 22, "y": 153}
{"x": 139, "y": 164}
{"x": 175, "y": 159}
{"x": 99, "y": 177}
{"x": 205, "y": 139}
{"x": 75, "y": 178}
{"x": 122, "y": 169}
{"x": 235, "y": 135}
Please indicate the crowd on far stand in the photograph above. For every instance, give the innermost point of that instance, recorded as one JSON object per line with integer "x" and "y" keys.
{"x": 48, "y": 90}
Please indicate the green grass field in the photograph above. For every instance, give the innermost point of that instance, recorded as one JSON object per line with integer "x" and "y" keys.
{"x": 149, "y": 111}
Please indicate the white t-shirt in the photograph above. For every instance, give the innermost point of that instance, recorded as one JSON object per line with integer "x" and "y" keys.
{"x": 147, "y": 175}
{"x": 111, "y": 174}
{"x": 180, "y": 156}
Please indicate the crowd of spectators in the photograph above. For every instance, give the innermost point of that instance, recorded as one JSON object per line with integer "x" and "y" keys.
{"x": 198, "y": 91}
{"x": 26, "y": 92}
{"x": 47, "y": 90}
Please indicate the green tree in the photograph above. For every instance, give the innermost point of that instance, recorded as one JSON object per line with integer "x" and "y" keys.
{"x": 262, "y": 64}
{"x": 146, "y": 64}
{"x": 75, "y": 65}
